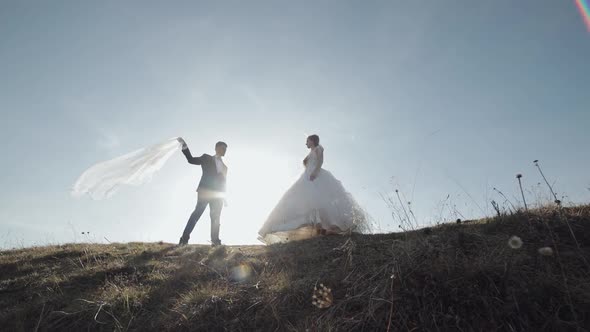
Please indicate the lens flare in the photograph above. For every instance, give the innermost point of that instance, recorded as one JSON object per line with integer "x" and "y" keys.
{"x": 241, "y": 272}
{"x": 584, "y": 9}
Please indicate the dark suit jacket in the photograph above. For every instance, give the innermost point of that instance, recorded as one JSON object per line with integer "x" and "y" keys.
{"x": 210, "y": 180}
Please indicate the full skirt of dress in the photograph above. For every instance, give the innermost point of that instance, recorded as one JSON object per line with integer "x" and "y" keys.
{"x": 310, "y": 208}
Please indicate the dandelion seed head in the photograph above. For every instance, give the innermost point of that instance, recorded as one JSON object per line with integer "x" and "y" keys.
{"x": 546, "y": 251}
{"x": 515, "y": 242}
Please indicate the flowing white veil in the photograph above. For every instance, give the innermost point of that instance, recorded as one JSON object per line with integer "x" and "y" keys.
{"x": 103, "y": 179}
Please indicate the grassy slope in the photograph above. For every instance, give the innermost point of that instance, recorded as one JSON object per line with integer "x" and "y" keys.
{"x": 448, "y": 277}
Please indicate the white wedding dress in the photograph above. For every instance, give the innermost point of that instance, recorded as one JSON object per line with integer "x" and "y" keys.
{"x": 311, "y": 208}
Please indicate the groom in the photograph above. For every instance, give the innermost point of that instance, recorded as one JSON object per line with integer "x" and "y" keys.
{"x": 210, "y": 191}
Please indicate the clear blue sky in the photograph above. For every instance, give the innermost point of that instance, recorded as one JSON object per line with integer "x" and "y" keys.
{"x": 435, "y": 98}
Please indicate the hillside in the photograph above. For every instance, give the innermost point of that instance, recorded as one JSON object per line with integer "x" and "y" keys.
{"x": 450, "y": 277}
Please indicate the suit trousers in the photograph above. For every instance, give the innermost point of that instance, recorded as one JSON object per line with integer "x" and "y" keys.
{"x": 215, "y": 206}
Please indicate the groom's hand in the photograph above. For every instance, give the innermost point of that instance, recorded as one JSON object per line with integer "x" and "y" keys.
{"x": 181, "y": 141}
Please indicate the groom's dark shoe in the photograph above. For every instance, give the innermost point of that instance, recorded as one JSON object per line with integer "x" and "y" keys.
{"x": 183, "y": 241}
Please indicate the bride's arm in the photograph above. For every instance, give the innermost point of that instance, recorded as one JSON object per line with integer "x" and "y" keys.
{"x": 320, "y": 153}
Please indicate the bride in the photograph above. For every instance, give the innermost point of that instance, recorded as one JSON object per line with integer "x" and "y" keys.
{"x": 316, "y": 204}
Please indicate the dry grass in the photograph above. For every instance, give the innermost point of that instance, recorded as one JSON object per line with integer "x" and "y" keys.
{"x": 451, "y": 277}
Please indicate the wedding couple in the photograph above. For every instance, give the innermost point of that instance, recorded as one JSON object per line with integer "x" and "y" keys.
{"x": 316, "y": 203}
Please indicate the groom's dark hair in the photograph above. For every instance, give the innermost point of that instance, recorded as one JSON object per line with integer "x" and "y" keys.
{"x": 218, "y": 144}
{"x": 315, "y": 139}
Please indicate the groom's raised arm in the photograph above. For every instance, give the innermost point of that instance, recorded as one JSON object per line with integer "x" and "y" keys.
{"x": 188, "y": 155}
{"x": 190, "y": 158}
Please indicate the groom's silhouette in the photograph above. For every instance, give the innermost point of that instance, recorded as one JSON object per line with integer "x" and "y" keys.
{"x": 210, "y": 191}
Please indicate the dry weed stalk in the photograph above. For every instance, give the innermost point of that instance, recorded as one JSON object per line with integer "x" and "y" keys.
{"x": 557, "y": 201}
{"x": 560, "y": 208}
{"x": 505, "y": 198}
{"x": 519, "y": 176}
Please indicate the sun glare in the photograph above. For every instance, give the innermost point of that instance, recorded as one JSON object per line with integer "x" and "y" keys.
{"x": 256, "y": 181}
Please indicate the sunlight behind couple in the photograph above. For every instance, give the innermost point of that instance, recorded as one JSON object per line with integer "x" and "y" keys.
{"x": 257, "y": 179}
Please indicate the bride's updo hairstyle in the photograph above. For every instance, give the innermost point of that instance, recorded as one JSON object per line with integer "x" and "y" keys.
{"x": 315, "y": 139}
